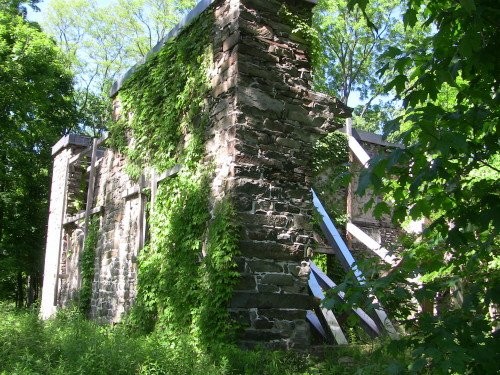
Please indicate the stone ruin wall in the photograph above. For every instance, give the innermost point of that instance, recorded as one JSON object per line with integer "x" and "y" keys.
{"x": 380, "y": 229}
{"x": 118, "y": 241}
{"x": 264, "y": 120}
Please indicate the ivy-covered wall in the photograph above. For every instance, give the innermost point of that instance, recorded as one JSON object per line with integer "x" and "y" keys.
{"x": 229, "y": 100}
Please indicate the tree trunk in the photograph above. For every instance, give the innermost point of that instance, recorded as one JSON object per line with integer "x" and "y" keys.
{"x": 19, "y": 291}
{"x": 30, "y": 293}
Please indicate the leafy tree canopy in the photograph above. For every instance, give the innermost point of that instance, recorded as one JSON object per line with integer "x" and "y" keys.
{"x": 36, "y": 108}
{"x": 449, "y": 175}
{"x": 103, "y": 41}
{"x": 349, "y": 54}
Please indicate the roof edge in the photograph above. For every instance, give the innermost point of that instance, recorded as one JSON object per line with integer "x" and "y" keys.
{"x": 73, "y": 140}
{"x": 369, "y": 137}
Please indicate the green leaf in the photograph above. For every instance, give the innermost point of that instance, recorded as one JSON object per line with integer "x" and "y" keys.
{"x": 410, "y": 17}
{"x": 468, "y": 5}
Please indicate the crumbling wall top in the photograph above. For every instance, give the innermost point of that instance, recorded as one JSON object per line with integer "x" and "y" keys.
{"x": 71, "y": 139}
{"x": 195, "y": 12}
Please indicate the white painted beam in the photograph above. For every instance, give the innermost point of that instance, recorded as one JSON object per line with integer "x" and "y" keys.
{"x": 358, "y": 151}
{"x": 370, "y": 243}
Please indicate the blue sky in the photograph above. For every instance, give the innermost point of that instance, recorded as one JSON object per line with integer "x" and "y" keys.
{"x": 37, "y": 16}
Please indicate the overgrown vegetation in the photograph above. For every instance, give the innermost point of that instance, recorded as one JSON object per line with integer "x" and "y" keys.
{"x": 331, "y": 169}
{"x": 165, "y": 97}
{"x": 102, "y": 39}
{"x": 187, "y": 271}
{"x": 87, "y": 266}
{"x": 36, "y": 109}
{"x": 331, "y": 179}
{"x": 448, "y": 174}
{"x": 70, "y": 344}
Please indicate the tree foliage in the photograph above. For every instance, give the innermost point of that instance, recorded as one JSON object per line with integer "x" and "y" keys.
{"x": 349, "y": 50}
{"x": 448, "y": 174}
{"x": 35, "y": 110}
{"x": 103, "y": 41}
{"x": 350, "y": 54}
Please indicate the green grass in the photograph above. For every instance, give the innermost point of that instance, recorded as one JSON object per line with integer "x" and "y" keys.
{"x": 70, "y": 344}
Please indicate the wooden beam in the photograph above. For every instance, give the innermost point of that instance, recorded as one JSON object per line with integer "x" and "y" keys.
{"x": 324, "y": 250}
{"x": 370, "y": 243}
{"x": 315, "y": 322}
{"x": 169, "y": 173}
{"x": 154, "y": 186}
{"x": 81, "y": 215}
{"x": 328, "y": 316}
{"x": 350, "y": 186}
{"x": 159, "y": 178}
{"x": 326, "y": 283}
{"x": 335, "y": 240}
{"x": 142, "y": 214}
{"x": 131, "y": 192}
{"x": 61, "y": 232}
{"x": 346, "y": 258}
{"x": 101, "y": 140}
{"x": 90, "y": 190}
{"x": 358, "y": 151}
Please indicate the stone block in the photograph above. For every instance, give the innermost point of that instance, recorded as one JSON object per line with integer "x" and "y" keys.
{"x": 302, "y": 222}
{"x": 272, "y": 300}
{"x": 284, "y": 326}
{"x": 231, "y": 41}
{"x": 251, "y": 97}
{"x": 278, "y": 279}
{"x": 261, "y": 334}
{"x": 289, "y": 142}
{"x": 268, "y": 288}
{"x": 262, "y": 323}
{"x": 259, "y": 234}
{"x": 248, "y": 186}
{"x": 269, "y": 250}
{"x": 297, "y": 287}
{"x": 283, "y": 314}
{"x": 246, "y": 282}
{"x": 260, "y": 266}
{"x": 255, "y": 50}
{"x": 248, "y": 67}
{"x": 247, "y": 171}
{"x": 243, "y": 202}
{"x": 273, "y": 221}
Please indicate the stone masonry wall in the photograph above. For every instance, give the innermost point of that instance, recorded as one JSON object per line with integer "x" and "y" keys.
{"x": 381, "y": 230}
{"x": 62, "y": 151}
{"x": 264, "y": 118}
{"x": 279, "y": 118}
{"x": 114, "y": 285}
{"x": 118, "y": 216}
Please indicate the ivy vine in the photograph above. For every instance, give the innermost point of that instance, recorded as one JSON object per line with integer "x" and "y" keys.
{"x": 165, "y": 98}
{"x": 331, "y": 169}
{"x": 186, "y": 273}
{"x": 87, "y": 268}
